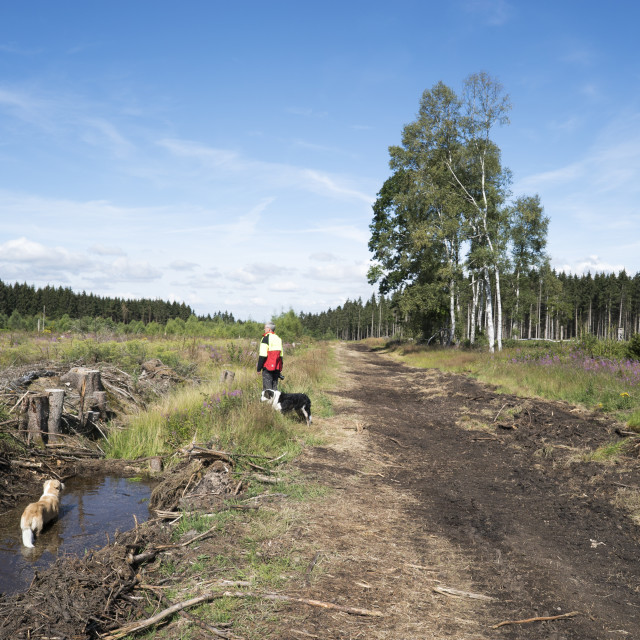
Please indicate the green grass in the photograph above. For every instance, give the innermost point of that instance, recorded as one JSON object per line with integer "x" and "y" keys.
{"x": 558, "y": 371}
{"x": 228, "y": 417}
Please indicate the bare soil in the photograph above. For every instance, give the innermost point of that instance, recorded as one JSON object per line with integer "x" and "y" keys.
{"x": 442, "y": 483}
{"x": 451, "y": 509}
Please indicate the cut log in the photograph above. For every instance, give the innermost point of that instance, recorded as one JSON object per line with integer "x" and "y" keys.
{"x": 56, "y": 401}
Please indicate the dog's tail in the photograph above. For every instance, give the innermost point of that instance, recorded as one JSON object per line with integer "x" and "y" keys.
{"x": 27, "y": 537}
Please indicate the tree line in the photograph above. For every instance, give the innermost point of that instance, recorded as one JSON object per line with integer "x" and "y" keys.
{"x": 538, "y": 304}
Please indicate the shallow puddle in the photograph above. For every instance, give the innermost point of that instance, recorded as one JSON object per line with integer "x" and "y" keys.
{"x": 91, "y": 510}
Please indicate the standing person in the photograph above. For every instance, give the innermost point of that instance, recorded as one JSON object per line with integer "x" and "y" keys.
{"x": 270, "y": 357}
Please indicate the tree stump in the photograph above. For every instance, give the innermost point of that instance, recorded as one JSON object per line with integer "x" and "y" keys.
{"x": 38, "y": 410}
{"x": 87, "y": 382}
{"x": 80, "y": 378}
{"x": 155, "y": 464}
{"x": 100, "y": 403}
{"x": 227, "y": 376}
{"x": 56, "y": 401}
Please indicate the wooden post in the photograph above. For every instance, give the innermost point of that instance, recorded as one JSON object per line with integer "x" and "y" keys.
{"x": 56, "y": 401}
{"x": 38, "y": 414}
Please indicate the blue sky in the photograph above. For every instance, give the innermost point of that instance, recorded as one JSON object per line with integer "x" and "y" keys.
{"x": 227, "y": 155}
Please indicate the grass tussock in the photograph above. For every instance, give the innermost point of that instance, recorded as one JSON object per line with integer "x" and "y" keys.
{"x": 229, "y": 417}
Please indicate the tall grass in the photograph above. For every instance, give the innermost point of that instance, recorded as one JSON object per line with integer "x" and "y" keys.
{"x": 571, "y": 372}
{"x": 229, "y": 417}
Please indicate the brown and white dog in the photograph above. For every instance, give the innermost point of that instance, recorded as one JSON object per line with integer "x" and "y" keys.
{"x": 37, "y": 514}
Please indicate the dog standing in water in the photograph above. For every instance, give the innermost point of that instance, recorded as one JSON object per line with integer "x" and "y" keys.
{"x": 37, "y": 514}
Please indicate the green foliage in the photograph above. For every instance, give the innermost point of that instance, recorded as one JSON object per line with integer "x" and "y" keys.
{"x": 288, "y": 326}
{"x": 633, "y": 347}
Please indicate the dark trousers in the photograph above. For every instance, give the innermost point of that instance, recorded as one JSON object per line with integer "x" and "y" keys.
{"x": 270, "y": 379}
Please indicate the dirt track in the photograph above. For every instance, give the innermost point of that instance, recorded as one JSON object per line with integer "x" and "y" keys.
{"x": 442, "y": 484}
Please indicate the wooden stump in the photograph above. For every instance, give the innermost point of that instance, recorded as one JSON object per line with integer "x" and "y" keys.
{"x": 38, "y": 410}
{"x": 227, "y": 376}
{"x": 80, "y": 378}
{"x": 100, "y": 403}
{"x": 155, "y": 464}
{"x": 56, "y": 401}
{"x": 87, "y": 382}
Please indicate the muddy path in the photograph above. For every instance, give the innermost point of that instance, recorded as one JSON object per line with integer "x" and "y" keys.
{"x": 442, "y": 484}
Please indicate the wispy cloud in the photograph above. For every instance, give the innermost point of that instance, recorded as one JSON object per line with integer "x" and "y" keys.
{"x": 307, "y": 112}
{"x": 102, "y": 133}
{"x": 495, "y": 13}
{"x": 223, "y": 162}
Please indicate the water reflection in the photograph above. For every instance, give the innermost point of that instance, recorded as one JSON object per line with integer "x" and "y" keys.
{"x": 91, "y": 511}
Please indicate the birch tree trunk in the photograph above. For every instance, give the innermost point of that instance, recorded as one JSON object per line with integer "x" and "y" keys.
{"x": 489, "y": 307}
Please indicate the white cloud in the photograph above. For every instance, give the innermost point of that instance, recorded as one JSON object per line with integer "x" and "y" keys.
{"x": 221, "y": 162}
{"x": 338, "y": 272}
{"x": 102, "y": 133}
{"x": 492, "y": 12}
{"x": 323, "y": 257}
{"x": 183, "y": 265}
{"x": 591, "y": 264}
{"x": 284, "y": 286}
{"x": 103, "y": 250}
{"x": 24, "y": 251}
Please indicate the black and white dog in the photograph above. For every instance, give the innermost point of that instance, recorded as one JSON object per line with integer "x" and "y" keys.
{"x": 284, "y": 402}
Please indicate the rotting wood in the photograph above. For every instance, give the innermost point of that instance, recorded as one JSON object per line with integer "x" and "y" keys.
{"x": 538, "y": 619}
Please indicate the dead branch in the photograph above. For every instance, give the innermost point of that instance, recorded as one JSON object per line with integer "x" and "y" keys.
{"x": 203, "y": 625}
{"x": 448, "y": 591}
{"x": 161, "y": 615}
{"x": 499, "y": 412}
{"x": 540, "y": 619}
{"x": 313, "y": 603}
{"x": 266, "y": 479}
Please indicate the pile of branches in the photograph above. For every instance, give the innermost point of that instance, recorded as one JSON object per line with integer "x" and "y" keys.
{"x": 80, "y": 597}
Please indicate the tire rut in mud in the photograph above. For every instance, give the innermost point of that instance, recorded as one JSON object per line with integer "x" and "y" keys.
{"x": 539, "y": 529}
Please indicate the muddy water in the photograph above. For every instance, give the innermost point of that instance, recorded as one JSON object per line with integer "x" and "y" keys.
{"x": 91, "y": 509}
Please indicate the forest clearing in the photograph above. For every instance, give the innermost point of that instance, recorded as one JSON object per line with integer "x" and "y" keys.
{"x": 421, "y": 504}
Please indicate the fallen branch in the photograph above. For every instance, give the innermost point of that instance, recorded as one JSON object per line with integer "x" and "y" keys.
{"x": 161, "y": 615}
{"x": 266, "y": 479}
{"x": 203, "y": 625}
{"x": 312, "y": 603}
{"x": 448, "y": 591}
{"x": 499, "y": 412}
{"x": 540, "y": 619}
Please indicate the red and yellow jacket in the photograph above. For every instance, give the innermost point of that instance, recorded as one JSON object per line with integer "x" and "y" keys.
{"x": 270, "y": 356}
